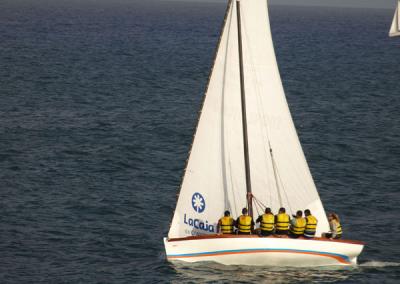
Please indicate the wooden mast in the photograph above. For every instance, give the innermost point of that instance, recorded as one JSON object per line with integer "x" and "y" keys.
{"x": 244, "y": 118}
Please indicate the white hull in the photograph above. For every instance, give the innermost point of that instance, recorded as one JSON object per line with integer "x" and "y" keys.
{"x": 261, "y": 251}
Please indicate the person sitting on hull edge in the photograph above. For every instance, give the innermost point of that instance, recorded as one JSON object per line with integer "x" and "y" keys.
{"x": 336, "y": 228}
{"x": 311, "y": 226}
{"x": 266, "y": 222}
{"x": 225, "y": 224}
{"x": 244, "y": 223}
{"x": 298, "y": 225}
{"x": 282, "y": 222}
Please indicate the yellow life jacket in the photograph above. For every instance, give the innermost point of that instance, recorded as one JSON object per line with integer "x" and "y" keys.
{"x": 299, "y": 226}
{"x": 338, "y": 228}
{"x": 244, "y": 225}
{"x": 226, "y": 225}
{"x": 267, "y": 222}
{"x": 311, "y": 225}
{"x": 282, "y": 222}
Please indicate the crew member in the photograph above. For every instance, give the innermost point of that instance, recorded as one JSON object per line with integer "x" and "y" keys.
{"x": 336, "y": 228}
{"x": 244, "y": 223}
{"x": 266, "y": 222}
{"x": 311, "y": 225}
{"x": 297, "y": 225}
{"x": 225, "y": 224}
{"x": 282, "y": 222}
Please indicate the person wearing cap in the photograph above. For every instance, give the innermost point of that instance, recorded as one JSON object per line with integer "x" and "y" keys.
{"x": 226, "y": 223}
{"x": 282, "y": 222}
{"x": 334, "y": 225}
{"x": 311, "y": 224}
{"x": 244, "y": 223}
{"x": 266, "y": 222}
{"x": 298, "y": 225}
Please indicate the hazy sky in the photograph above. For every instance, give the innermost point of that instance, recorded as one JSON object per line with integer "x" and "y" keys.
{"x": 347, "y": 3}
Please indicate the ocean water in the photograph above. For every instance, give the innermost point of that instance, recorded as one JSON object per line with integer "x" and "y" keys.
{"x": 98, "y": 103}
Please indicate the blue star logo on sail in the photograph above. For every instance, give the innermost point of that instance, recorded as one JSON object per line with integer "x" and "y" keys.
{"x": 198, "y": 202}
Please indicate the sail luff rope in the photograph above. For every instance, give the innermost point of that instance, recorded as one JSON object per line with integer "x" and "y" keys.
{"x": 225, "y": 154}
{"x": 202, "y": 103}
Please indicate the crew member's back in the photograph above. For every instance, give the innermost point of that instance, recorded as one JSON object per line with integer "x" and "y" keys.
{"x": 266, "y": 222}
{"x": 282, "y": 222}
{"x": 298, "y": 225}
{"x": 244, "y": 223}
{"x": 311, "y": 224}
{"x": 226, "y": 223}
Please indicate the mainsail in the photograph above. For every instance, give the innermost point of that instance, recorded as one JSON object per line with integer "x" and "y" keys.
{"x": 395, "y": 28}
{"x": 214, "y": 178}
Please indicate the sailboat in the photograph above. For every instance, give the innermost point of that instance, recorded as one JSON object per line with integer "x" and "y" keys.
{"x": 395, "y": 27}
{"x": 246, "y": 153}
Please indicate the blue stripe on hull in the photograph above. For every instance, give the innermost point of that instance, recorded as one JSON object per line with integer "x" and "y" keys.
{"x": 340, "y": 257}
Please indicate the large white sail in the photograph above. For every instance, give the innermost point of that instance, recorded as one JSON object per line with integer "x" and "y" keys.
{"x": 214, "y": 179}
{"x": 395, "y": 27}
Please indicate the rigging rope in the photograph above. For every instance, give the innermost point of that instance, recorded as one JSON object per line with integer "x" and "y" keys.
{"x": 275, "y": 174}
{"x": 262, "y": 205}
{"x": 284, "y": 191}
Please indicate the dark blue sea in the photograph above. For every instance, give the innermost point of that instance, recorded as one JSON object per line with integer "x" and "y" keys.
{"x": 98, "y": 103}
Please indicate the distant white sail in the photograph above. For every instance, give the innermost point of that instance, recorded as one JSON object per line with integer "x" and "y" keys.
{"x": 395, "y": 28}
{"x": 214, "y": 179}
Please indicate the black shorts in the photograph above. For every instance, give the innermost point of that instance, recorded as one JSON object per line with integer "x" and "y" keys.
{"x": 278, "y": 232}
{"x": 294, "y": 236}
{"x": 329, "y": 235}
{"x": 242, "y": 233}
{"x": 266, "y": 233}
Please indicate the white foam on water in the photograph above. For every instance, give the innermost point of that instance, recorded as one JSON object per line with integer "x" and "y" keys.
{"x": 379, "y": 264}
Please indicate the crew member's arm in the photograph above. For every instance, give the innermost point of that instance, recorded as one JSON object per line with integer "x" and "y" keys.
{"x": 219, "y": 226}
{"x": 334, "y": 230}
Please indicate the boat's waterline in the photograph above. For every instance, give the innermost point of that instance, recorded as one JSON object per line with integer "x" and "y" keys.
{"x": 253, "y": 250}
